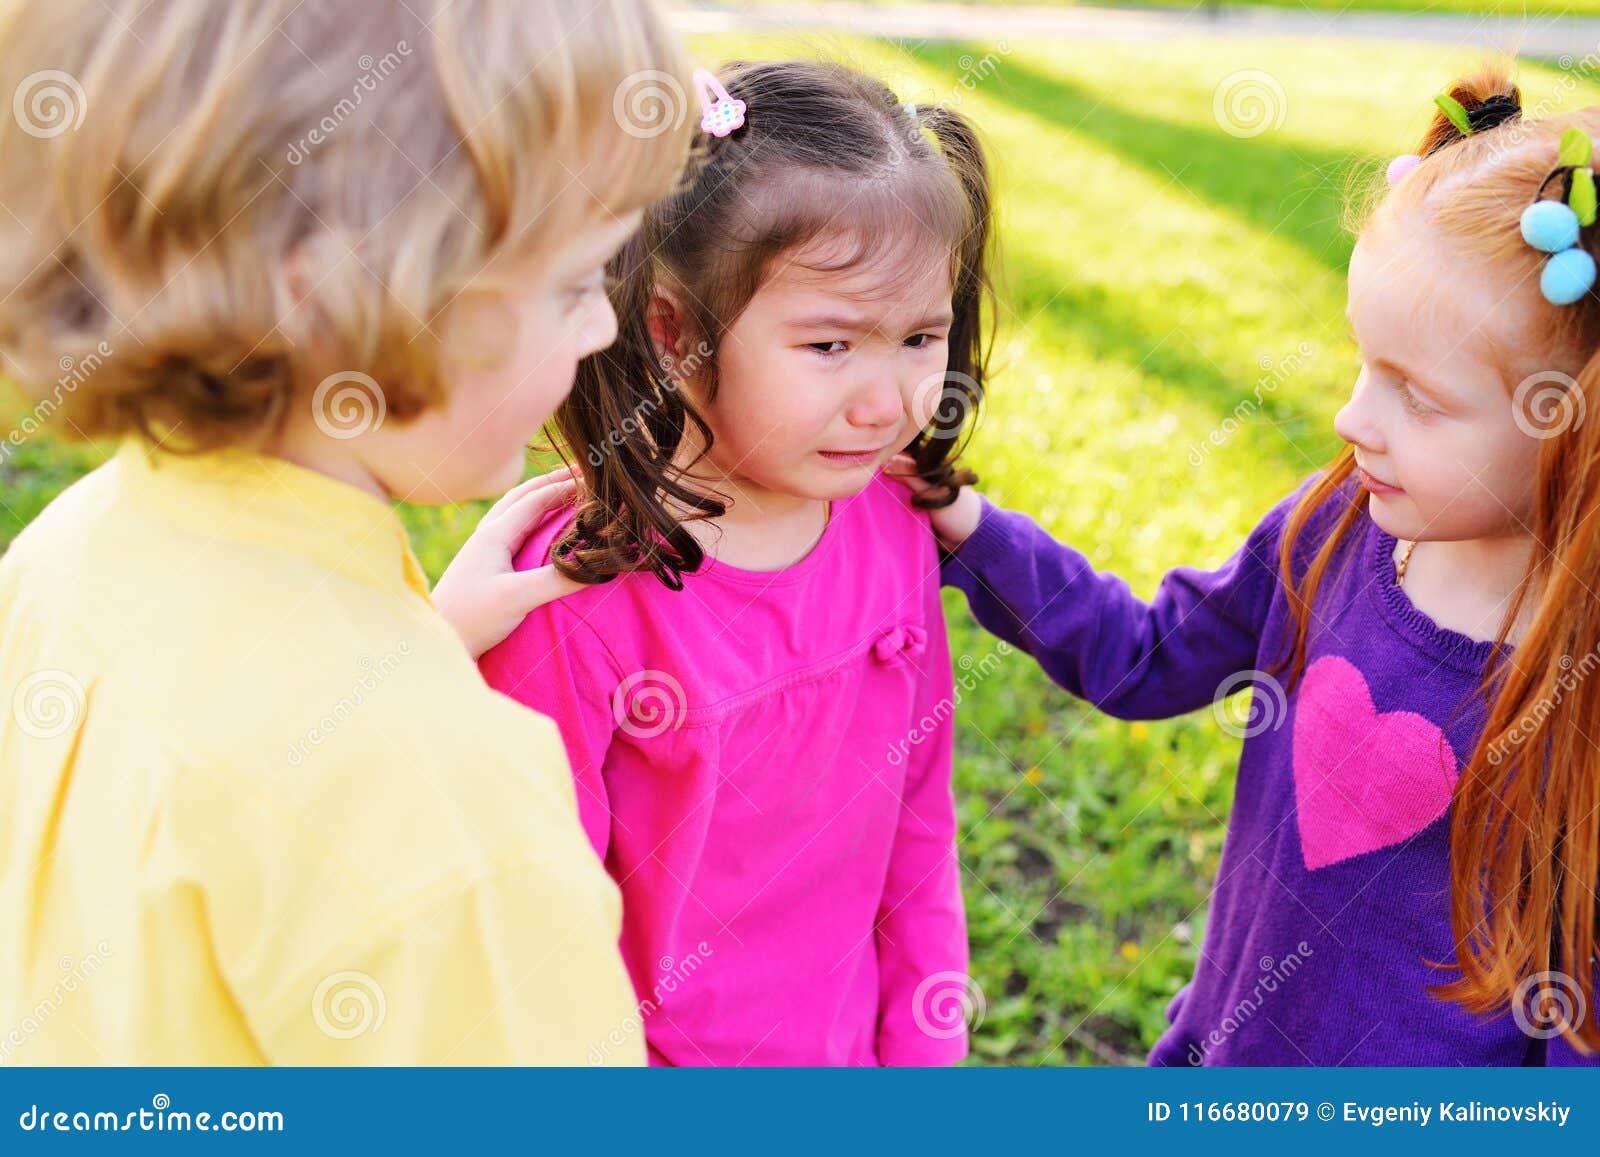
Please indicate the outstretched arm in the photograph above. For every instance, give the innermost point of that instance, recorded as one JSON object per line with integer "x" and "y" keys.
{"x": 1131, "y": 658}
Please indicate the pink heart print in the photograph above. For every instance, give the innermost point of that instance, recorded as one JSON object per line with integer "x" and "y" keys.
{"x": 1362, "y": 780}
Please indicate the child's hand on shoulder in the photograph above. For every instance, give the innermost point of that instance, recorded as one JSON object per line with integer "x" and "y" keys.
{"x": 481, "y": 593}
{"x": 952, "y": 524}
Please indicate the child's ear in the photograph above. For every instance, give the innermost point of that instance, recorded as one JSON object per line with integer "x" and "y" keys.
{"x": 669, "y": 326}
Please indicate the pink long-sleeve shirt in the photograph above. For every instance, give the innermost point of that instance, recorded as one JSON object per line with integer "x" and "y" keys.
{"x": 763, "y": 763}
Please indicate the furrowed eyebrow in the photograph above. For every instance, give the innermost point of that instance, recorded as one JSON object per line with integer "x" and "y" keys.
{"x": 860, "y": 325}
{"x": 830, "y": 321}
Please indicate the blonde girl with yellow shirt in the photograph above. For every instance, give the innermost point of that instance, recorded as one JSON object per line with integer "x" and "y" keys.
{"x": 320, "y": 257}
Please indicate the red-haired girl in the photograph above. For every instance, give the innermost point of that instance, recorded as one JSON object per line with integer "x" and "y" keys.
{"x": 1411, "y": 863}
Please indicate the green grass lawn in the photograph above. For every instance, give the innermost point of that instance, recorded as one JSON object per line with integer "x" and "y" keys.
{"x": 1504, "y": 8}
{"x": 1158, "y": 272}
{"x": 1507, "y": 8}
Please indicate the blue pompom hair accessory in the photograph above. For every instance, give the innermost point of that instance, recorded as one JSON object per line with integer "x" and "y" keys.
{"x": 1555, "y": 227}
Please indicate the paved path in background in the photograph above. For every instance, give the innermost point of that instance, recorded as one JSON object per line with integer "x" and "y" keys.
{"x": 1553, "y": 37}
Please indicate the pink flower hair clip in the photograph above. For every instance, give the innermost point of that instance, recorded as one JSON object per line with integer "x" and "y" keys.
{"x": 720, "y": 113}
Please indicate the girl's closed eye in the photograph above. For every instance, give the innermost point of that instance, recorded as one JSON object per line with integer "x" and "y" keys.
{"x": 1414, "y": 405}
{"x": 920, "y": 341}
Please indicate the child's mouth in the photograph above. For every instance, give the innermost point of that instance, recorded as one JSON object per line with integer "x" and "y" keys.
{"x": 1375, "y": 486}
{"x": 851, "y": 457}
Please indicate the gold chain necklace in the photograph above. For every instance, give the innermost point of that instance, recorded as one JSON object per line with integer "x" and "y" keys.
{"x": 1405, "y": 561}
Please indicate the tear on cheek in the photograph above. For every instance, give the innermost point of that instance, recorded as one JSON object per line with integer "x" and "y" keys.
{"x": 932, "y": 395}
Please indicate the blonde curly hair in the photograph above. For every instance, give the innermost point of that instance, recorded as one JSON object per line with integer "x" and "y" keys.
{"x": 210, "y": 206}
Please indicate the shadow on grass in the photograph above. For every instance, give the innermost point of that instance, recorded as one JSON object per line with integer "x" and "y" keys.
{"x": 1296, "y": 193}
{"x": 1293, "y": 193}
{"x": 1130, "y": 346}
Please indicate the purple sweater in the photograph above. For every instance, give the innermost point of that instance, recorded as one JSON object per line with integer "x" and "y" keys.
{"x": 1332, "y": 895}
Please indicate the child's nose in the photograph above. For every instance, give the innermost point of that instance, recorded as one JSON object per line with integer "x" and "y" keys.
{"x": 1344, "y": 422}
{"x": 599, "y": 329}
{"x": 880, "y": 403}
{"x": 1354, "y": 421}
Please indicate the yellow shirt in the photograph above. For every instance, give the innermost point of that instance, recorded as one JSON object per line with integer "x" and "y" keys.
{"x": 257, "y": 805}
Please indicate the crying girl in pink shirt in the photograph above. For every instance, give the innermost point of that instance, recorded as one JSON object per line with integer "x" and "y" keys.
{"x": 753, "y": 679}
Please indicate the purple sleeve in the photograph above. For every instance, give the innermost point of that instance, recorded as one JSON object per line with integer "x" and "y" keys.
{"x": 1562, "y": 1054}
{"x": 921, "y": 927}
{"x": 554, "y": 663}
{"x": 1131, "y": 659}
